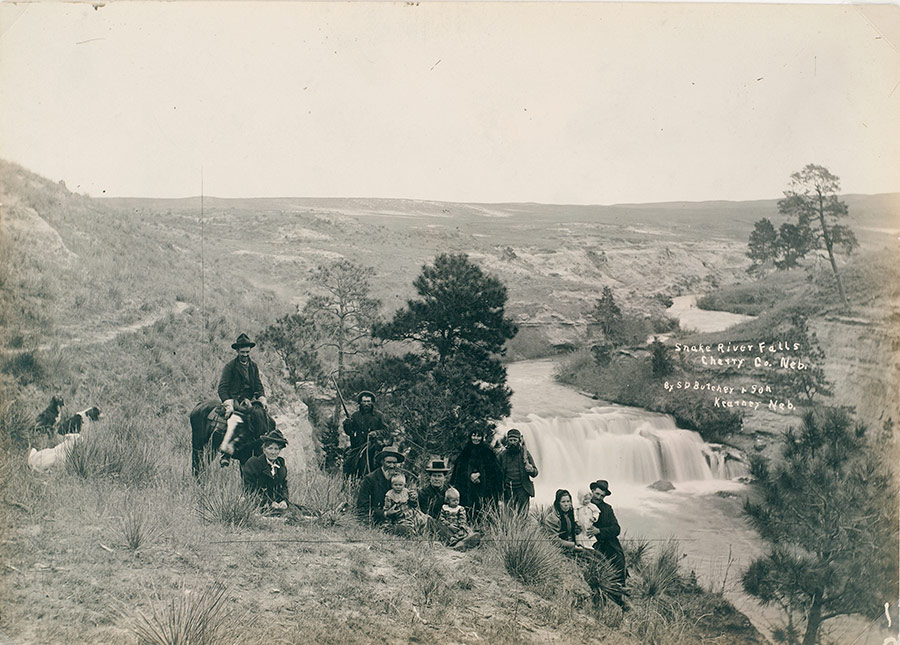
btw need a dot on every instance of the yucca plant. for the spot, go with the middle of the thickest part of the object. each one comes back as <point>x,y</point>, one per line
<point>136,526</point>
<point>660,576</point>
<point>324,496</point>
<point>221,499</point>
<point>524,547</point>
<point>115,449</point>
<point>193,618</point>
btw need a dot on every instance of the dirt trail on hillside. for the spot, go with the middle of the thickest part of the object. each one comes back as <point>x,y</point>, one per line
<point>105,336</point>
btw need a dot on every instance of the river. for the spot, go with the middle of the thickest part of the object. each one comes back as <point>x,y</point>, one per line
<point>576,440</point>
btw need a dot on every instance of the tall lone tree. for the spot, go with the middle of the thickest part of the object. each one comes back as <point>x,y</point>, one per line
<point>342,311</point>
<point>460,310</point>
<point>455,381</point>
<point>334,325</point>
<point>827,512</point>
<point>812,202</point>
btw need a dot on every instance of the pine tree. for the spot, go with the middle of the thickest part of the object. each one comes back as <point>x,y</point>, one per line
<point>827,511</point>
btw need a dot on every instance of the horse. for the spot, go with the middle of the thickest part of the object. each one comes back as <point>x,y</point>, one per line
<point>232,439</point>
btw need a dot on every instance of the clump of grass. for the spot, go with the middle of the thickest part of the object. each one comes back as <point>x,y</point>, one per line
<point>136,527</point>
<point>653,624</point>
<point>429,579</point>
<point>16,425</point>
<point>603,579</point>
<point>194,618</point>
<point>660,576</point>
<point>116,450</point>
<point>24,366</point>
<point>221,499</point>
<point>524,548</point>
<point>325,496</point>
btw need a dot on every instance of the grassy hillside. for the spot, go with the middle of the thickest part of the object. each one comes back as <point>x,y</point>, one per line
<point>106,305</point>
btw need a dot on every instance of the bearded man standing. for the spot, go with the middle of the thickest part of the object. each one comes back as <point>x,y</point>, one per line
<point>516,470</point>
<point>363,427</point>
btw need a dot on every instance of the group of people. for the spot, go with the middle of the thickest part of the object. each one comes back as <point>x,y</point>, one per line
<point>241,391</point>
<point>573,529</point>
<point>479,478</point>
<point>452,501</point>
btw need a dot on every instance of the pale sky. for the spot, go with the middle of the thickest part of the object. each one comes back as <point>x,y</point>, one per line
<point>487,102</point>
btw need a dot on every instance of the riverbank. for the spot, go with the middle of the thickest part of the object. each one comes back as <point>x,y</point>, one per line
<point>704,516</point>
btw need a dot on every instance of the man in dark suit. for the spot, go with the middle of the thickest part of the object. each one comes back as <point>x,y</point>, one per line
<point>606,530</point>
<point>241,389</point>
<point>363,428</point>
<point>372,488</point>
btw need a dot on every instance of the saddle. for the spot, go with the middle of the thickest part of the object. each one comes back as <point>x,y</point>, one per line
<point>217,418</point>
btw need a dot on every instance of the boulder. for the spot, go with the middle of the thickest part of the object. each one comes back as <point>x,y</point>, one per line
<point>662,485</point>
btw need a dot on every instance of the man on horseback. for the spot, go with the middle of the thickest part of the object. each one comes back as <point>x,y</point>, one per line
<point>241,390</point>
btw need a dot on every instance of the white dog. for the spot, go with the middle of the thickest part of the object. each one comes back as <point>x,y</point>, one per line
<point>43,460</point>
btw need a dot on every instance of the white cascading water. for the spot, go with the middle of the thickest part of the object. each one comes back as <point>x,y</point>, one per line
<point>625,446</point>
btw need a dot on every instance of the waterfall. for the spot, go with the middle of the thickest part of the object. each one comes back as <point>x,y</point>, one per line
<point>625,446</point>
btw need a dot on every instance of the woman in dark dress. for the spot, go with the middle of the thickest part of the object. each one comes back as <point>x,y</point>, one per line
<point>266,474</point>
<point>476,475</point>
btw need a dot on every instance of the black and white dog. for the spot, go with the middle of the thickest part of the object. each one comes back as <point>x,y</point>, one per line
<point>79,421</point>
<point>51,414</point>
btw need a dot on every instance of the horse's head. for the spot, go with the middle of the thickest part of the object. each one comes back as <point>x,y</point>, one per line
<point>232,437</point>
<point>239,438</point>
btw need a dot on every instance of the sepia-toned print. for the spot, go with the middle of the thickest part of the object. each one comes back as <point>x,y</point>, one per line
<point>449,322</point>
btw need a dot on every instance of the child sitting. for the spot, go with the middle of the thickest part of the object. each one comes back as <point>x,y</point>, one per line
<point>586,515</point>
<point>453,516</point>
<point>398,505</point>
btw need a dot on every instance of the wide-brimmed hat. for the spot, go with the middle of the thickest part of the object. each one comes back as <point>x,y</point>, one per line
<point>437,466</point>
<point>514,432</point>
<point>242,341</point>
<point>390,451</point>
<point>274,436</point>
<point>364,393</point>
<point>603,485</point>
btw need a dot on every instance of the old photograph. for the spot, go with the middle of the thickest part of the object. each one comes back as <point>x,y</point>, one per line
<point>449,322</point>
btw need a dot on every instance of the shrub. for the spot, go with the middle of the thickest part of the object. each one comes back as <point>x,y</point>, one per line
<point>194,618</point>
<point>524,548</point>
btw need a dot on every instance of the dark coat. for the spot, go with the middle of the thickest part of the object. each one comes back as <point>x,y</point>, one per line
<point>510,462</point>
<point>431,499</point>
<point>476,459</point>
<point>357,427</point>
<point>257,474</point>
<point>608,536</point>
<point>370,500</point>
<point>233,385</point>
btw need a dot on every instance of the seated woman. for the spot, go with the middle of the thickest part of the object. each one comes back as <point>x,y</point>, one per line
<point>561,522</point>
<point>266,474</point>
